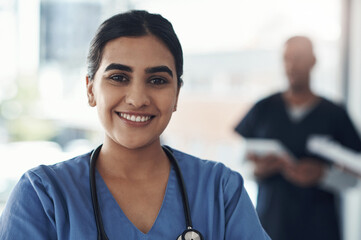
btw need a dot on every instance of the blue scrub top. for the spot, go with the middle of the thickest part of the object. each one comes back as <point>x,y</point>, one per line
<point>54,202</point>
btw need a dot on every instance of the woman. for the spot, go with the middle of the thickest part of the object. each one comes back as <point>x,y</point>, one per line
<point>136,192</point>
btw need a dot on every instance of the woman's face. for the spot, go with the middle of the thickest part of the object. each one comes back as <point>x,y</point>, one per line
<point>135,90</point>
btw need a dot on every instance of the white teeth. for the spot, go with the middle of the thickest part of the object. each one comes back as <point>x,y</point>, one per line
<point>134,118</point>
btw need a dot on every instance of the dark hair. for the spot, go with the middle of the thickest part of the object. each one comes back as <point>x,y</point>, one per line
<point>135,23</point>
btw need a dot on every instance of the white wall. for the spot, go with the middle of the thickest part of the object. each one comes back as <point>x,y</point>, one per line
<point>352,199</point>
<point>354,98</point>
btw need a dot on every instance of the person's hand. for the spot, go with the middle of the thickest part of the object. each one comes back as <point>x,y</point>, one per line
<point>268,165</point>
<point>348,170</point>
<point>306,173</point>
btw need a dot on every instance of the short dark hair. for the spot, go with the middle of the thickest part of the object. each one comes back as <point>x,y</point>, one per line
<point>132,24</point>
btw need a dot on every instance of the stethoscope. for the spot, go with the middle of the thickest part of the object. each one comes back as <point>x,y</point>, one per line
<point>188,234</point>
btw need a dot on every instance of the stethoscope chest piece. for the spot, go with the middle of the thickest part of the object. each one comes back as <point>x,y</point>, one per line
<point>190,234</point>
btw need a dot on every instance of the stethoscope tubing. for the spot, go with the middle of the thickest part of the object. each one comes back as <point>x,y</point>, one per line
<point>182,186</point>
<point>98,217</point>
<point>97,213</point>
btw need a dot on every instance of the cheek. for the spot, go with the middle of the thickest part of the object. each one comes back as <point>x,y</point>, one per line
<point>106,103</point>
<point>168,102</point>
<point>106,97</point>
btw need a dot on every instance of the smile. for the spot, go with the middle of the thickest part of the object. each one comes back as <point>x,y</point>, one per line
<point>135,118</point>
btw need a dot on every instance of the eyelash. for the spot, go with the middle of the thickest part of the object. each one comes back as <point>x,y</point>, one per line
<point>156,81</point>
<point>118,78</point>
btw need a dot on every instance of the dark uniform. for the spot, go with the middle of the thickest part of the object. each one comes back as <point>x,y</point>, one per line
<point>289,212</point>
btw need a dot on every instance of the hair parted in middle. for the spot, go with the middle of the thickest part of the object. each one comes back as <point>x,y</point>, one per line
<point>132,24</point>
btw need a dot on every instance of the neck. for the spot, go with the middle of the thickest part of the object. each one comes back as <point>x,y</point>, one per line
<point>300,96</point>
<point>117,161</point>
<point>299,91</point>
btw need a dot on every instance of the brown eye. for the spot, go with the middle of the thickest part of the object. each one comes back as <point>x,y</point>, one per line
<point>118,78</point>
<point>158,81</point>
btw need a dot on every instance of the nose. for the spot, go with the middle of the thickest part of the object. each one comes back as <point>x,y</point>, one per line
<point>137,96</point>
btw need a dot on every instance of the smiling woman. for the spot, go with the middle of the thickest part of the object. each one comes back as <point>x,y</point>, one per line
<point>135,78</point>
<point>138,189</point>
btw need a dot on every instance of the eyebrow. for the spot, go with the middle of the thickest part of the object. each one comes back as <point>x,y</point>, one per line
<point>118,66</point>
<point>157,69</point>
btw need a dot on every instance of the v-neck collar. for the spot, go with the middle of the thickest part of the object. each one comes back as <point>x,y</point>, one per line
<point>109,205</point>
<point>305,116</point>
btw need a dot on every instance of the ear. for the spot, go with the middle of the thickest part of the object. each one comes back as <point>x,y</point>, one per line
<point>314,61</point>
<point>90,92</point>
<point>176,101</point>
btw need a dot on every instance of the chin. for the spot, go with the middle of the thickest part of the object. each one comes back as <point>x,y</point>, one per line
<point>135,145</point>
<point>295,84</point>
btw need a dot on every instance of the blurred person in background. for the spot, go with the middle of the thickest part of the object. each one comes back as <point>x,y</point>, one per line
<point>292,201</point>
<point>131,187</point>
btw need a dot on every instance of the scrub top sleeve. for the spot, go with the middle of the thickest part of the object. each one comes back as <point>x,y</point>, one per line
<point>246,126</point>
<point>28,213</point>
<point>242,221</point>
<point>346,133</point>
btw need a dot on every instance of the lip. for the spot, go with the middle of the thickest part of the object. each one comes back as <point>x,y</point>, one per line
<point>135,118</point>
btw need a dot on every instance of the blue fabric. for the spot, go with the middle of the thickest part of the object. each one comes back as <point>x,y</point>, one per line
<point>287,211</point>
<point>54,202</point>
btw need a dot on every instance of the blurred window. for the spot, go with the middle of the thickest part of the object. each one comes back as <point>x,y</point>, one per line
<point>232,51</point>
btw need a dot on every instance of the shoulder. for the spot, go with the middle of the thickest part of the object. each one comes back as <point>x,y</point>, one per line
<point>217,191</point>
<point>187,160</point>
<point>271,100</point>
<point>336,111</point>
<point>75,166</point>
<point>55,180</point>
<point>330,105</point>
<point>206,170</point>
<point>213,178</point>
<point>264,105</point>
<point>40,199</point>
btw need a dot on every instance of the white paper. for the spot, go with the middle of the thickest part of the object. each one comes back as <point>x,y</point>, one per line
<point>335,152</point>
<point>261,146</point>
